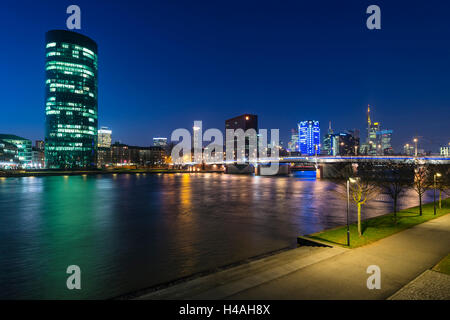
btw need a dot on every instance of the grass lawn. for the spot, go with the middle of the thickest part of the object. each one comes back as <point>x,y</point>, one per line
<point>381,227</point>
<point>443,266</point>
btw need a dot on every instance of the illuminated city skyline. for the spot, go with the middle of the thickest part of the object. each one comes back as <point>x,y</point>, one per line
<point>166,76</point>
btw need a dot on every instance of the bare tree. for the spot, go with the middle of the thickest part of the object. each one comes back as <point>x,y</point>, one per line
<point>421,182</point>
<point>394,180</point>
<point>363,185</point>
<point>361,191</point>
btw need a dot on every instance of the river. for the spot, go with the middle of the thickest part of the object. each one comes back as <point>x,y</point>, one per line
<point>127,232</point>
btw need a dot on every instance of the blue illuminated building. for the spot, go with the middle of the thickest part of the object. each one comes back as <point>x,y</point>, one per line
<point>309,137</point>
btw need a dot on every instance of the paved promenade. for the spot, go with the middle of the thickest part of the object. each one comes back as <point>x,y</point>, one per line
<point>325,273</point>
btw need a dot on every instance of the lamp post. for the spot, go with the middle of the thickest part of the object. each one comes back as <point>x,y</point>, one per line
<point>437,174</point>
<point>348,209</point>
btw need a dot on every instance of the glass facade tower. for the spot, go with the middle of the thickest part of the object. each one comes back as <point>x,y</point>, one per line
<point>309,137</point>
<point>70,100</point>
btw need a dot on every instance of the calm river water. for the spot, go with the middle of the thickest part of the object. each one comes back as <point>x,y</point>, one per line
<point>128,232</point>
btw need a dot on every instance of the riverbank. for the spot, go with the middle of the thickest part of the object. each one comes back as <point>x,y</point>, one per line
<point>321,273</point>
<point>49,173</point>
<point>380,227</point>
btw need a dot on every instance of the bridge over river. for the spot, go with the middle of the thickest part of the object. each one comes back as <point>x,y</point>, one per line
<point>323,165</point>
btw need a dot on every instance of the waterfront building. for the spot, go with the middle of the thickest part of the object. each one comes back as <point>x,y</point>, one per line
<point>38,158</point>
<point>309,137</point>
<point>23,147</point>
<point>122,154</point>
<point>244,122</point>
<point>71,100</point>
<point>104,137</point>
<point>160,142</point>
<point>445,151</point>
<point>40,145</point>
<point>8,154</point>
<point>104,157</point>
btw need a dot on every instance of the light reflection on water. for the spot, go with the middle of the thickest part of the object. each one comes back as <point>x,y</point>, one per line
<point>128,232</point>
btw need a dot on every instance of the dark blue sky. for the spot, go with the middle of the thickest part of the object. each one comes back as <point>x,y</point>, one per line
<point>164,64</point>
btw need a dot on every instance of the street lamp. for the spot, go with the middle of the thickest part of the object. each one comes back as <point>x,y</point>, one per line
<point>348,208</point>
<point>437,174</point>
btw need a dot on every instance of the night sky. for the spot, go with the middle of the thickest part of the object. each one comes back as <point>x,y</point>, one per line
<point>164,64</point>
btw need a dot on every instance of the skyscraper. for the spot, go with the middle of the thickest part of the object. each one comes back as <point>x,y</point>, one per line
<point>71,100</point>
<point>327,147</point>
<point>309,137</point>
<point>384,141</point>
<point>378,141</point>
<point>293,143</point>
<point>244,122</point>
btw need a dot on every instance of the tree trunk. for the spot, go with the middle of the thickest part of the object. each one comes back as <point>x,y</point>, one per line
<point>359,219</point>
<point>420,204</point>
<point>395,209</point>
<point>440,199</point>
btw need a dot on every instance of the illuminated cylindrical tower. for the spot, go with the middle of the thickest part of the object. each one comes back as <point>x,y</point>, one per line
<point>70,100</point>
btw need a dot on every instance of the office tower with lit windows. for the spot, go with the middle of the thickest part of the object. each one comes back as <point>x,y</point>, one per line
<point>104,137</point>
<point>385,142</point>
<point>23,146</point>
<point>244,122</point>
<point>71,100</point>
<point>309,137</point>
<point>327,147</point>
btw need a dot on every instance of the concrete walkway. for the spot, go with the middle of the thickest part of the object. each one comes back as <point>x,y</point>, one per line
<point>325,273</point>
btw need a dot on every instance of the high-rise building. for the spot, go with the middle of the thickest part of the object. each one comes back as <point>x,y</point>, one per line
<point>104,137</point>
<point>309,137</point>
<point>244,122</point>
<point>23,147</point>
<point>408,149</point>
<point>71,100</point>
<point>293,143</point>
<point>327,147</point>
<point>445,151</point>
<point>384,141</point>
<point>345,143</point>
<point>378,141</point>
<point>160,142</point>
